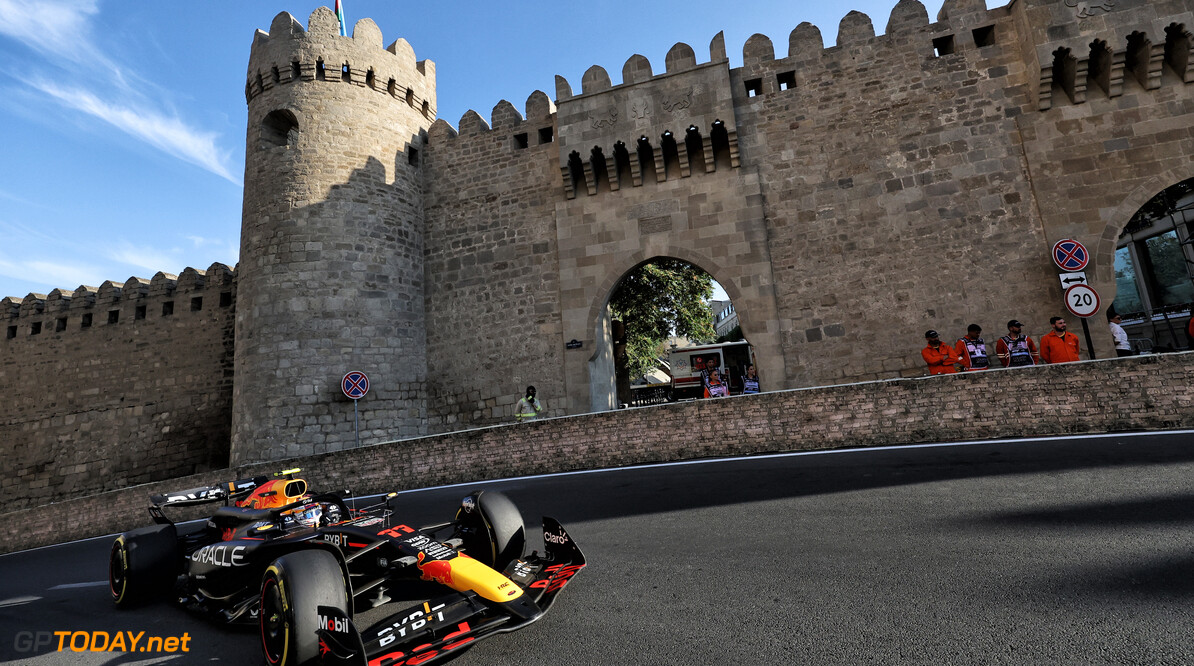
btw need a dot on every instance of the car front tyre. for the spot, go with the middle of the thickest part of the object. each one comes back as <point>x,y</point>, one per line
<point>292,589</point>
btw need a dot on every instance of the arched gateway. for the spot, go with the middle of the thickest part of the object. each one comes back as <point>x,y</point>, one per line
<point>601,366</point>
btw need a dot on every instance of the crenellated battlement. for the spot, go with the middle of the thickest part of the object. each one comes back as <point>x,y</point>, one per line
<point>133,300</point>
<point>289,54</point>
<point>535,128</point>
<point>1079,68</point>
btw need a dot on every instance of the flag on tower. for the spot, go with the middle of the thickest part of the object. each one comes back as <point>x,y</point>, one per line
<point>340,18</point>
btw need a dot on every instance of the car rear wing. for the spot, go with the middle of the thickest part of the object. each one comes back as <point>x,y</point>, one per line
<point>233,490</point>
<point>208,494</point>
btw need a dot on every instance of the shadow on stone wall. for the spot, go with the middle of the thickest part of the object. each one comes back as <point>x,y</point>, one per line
<point>1129,394</point>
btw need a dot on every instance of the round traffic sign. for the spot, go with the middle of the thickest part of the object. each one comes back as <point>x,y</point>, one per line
<point>1082,300</point>
<point>1070,255</point>
<point>355,384</point>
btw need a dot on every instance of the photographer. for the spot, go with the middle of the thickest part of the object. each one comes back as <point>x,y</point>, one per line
<point>529,406</point>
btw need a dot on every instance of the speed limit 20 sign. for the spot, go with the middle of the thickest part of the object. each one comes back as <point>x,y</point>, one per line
<point>1082,300</point>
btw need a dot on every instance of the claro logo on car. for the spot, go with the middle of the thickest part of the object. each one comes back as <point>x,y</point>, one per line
<point>220,556</point>
<point>560,538</point>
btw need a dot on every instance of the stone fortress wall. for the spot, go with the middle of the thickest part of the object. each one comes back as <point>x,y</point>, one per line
<point>115,386</point>
<point>847,197</point>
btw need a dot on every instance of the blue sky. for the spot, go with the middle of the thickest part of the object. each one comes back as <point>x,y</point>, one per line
<point>124,122</point>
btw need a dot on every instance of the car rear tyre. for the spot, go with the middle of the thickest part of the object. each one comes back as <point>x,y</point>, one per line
<point>493,530</point>
<point>293,588</point>
<point>143,564</point>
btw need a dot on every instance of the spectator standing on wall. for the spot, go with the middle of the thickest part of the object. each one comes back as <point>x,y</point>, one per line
<point>750,382</point>
<point>529,407</point>
<point>1057,346</point>
<point>940,358</point>
<point>1016,349</point>
<point>972,349</point>
<point>1122,346</point>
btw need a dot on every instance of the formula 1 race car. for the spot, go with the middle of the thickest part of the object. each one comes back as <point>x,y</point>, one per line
<point>303,565</point>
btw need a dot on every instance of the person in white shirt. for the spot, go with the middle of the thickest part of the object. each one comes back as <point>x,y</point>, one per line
<point>1122,346</point>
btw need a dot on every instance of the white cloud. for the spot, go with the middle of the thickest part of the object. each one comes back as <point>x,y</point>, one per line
<point>147,258</point>
<point>60,29</point>
<point>67,276</point>
<point>167,134</point>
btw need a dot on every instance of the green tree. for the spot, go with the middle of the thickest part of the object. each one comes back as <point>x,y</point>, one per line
<point>659,299</point>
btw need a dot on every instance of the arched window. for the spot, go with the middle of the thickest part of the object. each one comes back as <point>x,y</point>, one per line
<point>1136,58</point>
<point>576,171</point>
<point>1177,49</point>
<point>696,149</point>
<point>646,160</point>
<point>279,128</point>
<point>1098,69</point>
<point>671,156</point>
<point>600,170</point>
<point>621,164</point>
<point>1154,283</point>
<point>1065,68</point>
<point>720,138</point>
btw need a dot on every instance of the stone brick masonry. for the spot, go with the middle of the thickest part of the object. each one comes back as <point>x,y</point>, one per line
<point>119,386</point>
<point>846,196</point>
<point>1139,393</point>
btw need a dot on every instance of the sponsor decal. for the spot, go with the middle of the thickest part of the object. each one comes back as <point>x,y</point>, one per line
<point>220,556</point>
<point>561,538</point>
<point>560,575</point>
<point>428,616</point>
<point>425,653</point>
<point>469,504</point>
<point>367,522</point>
<point>398,531</point>
<point>210,493</point>
<point>522,570</point>
<point>336,625</point>
<point>431,547</point>
<point>439,571</point>
<point>338,540</point>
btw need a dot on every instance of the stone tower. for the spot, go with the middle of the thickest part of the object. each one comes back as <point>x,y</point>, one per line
<point>332,240</point>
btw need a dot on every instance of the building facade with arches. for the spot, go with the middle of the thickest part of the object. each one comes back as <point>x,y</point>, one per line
<point>846,196</point>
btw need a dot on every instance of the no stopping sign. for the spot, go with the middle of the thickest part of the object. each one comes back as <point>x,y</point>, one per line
<point>1082,300</point>
<point>355,384</point>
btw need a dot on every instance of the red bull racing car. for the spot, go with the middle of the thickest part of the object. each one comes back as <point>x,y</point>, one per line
<point>302,566</point>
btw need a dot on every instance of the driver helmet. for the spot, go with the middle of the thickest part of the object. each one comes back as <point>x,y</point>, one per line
<point>308,515</point>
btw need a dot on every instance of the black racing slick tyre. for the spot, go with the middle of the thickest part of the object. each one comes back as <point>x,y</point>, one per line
<point>293,588</point>
<point>492,529</point>
<point>143,564</point>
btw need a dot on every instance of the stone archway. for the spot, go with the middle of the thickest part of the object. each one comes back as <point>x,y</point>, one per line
<point>1117,218</point>
<point>600,362</point>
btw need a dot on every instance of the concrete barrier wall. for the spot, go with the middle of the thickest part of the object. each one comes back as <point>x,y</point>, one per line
<point>1130,394</point>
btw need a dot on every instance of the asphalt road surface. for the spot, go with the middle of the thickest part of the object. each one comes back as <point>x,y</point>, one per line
<point>1065,551</point>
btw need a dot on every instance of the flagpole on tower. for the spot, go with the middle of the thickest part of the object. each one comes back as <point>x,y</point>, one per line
<point>340,18</point>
